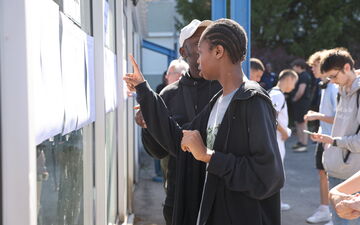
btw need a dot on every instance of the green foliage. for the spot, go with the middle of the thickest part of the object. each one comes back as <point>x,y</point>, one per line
<point>299,26</point>
<point>195,9</point>
<point>304,26</point>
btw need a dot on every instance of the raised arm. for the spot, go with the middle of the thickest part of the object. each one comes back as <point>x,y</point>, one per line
<point>163,129</point>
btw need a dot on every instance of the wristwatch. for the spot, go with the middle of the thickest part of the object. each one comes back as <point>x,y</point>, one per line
<point>334,143</point>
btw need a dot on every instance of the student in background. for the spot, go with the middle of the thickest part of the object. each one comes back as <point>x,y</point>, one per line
<point>326,114</point>
<point>268,79</point>
<point>286,83</point>
<point>256,69</point>
<point>301,103</point>
<point>341,157</point>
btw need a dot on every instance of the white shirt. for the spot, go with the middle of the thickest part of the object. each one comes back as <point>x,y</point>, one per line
<point>215,120</point>
<point>279,103</point>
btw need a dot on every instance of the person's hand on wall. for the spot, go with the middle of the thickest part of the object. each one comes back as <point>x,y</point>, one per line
<point>135,78</point>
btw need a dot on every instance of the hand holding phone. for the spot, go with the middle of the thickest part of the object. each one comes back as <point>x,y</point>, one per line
<point>308,132</point>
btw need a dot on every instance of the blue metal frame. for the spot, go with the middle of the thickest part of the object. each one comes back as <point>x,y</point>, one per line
<point>218,9</point>
<point>171,54</point>
<point>240,12</point>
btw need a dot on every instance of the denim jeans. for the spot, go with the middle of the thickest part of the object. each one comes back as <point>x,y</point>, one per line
<point>335,218</point>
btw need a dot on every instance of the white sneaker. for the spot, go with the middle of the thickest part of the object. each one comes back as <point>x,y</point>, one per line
<point>285,206</point>
<point>322,214</point>
<point>329,223</point>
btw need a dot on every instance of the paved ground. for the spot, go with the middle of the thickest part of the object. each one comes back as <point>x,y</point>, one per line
<point>300,191</point>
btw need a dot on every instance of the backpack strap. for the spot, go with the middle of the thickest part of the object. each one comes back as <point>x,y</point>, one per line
<point>278,89</point>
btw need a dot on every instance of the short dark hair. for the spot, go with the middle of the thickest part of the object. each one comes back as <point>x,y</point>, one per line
<point>256,64</point>
<point>287,73</point>
<point>230,35</point>
<point>299,62</point>
<point>336,59</point>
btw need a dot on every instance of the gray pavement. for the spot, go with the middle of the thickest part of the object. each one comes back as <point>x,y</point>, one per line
<point>301,189</point>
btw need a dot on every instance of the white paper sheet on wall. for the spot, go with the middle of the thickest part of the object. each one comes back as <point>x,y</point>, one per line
<point>38,84</point>
<point>106,23</point>
<point>110,80</point>
<point>49,110</point>
<point>73,74</point>
<point>90,81</point>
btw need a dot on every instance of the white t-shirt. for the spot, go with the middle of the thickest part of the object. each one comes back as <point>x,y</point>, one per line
<point>215,119</point>
<point>279,103</point>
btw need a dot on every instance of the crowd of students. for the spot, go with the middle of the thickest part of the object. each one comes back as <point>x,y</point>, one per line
<point>209,122</point>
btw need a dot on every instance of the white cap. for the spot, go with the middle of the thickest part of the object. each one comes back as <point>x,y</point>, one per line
<point>191,28</point>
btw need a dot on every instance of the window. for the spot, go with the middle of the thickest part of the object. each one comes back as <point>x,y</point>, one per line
<point>60,159</point>
<point>60,179</point>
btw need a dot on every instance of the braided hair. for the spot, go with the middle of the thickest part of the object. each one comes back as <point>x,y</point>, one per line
<point>230,35</point>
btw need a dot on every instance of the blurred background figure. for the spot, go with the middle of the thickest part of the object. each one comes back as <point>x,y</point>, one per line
<point>286,83</point>
<point>268,80</point>
<point>301,100</point>
<point>256,69</point>
<point>177,68</point>
<point>325,115</point>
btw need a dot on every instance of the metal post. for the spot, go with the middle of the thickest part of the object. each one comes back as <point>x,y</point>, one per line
<point>100,153</point>
<point>218,9</point>
<point>241,13</point>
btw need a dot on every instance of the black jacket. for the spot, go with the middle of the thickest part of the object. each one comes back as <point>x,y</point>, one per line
<point>245,173</point>
<point>184,99</point>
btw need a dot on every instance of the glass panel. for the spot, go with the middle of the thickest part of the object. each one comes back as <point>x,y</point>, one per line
<point>60,179</point>
<point>85,14</point>
<point>111,152</point>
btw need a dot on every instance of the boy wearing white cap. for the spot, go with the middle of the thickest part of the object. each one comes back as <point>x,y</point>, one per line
<point>184,99</point>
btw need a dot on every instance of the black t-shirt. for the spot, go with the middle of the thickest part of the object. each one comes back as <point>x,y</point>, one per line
<point>304,78</point>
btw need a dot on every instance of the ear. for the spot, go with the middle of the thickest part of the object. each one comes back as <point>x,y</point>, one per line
<point>347,67</point>
<point>182,52</point>
<point>219,51</point>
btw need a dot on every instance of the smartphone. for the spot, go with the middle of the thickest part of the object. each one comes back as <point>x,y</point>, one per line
<point>308,132</point>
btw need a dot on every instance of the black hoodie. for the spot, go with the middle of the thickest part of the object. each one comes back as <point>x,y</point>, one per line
<point>245,173</point>
<point>184,99</point>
